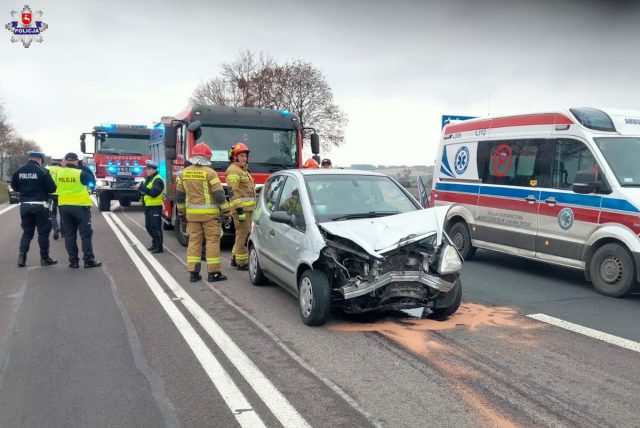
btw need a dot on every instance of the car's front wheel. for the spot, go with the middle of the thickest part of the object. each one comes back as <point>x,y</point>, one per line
<point>314,295</point>
<point>453,298</point>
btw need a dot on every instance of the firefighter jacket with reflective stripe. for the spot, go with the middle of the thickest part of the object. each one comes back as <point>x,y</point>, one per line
<point>152,189</point>
<point>71,190</point>
<point>53,170</point>
<point>200,194</point>
<point>242,191</point>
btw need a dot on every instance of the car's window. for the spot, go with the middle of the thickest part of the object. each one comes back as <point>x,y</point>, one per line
<point>272,190</point>
<point>291,203</point>
<point>571,156</point>
<point>336,196</point>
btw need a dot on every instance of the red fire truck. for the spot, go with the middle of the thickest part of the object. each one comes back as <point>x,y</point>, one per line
<point>120,153</point>
<point>274,137</point>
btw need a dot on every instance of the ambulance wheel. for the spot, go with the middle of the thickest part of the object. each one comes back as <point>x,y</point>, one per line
<point>459,234</point>
<point>104,202</point>
<point>612,272</point>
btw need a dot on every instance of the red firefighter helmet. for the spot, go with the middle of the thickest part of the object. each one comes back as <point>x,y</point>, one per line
<point>236,149</point>
<point>310,163</point>
<point>201,149</point>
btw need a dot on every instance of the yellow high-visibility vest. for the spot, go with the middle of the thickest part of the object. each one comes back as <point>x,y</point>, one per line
<point>153,201</point>
<point>53,170</point>
<point>70,190</point>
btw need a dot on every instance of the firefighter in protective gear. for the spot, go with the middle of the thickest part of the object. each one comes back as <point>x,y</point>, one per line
<point>152,189</point>
<point>200,197</point>
<point>310,163</point>
<point>242,197</point>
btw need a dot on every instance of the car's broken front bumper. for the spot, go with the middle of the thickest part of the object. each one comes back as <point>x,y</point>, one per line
<point>361,287</point>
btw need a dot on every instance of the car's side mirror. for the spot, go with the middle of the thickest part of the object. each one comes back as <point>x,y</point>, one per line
<point>281,217</point>
<point>586,181</point>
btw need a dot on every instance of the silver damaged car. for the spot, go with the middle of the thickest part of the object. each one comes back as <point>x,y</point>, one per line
<point>352,240</point>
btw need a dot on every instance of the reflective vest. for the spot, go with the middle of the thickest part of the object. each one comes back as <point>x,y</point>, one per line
<point>70,190</point>
<point>151,201</point>
<point>53,170</point>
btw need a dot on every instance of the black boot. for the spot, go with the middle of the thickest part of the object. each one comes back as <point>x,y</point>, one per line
<point>243,267</point>
<point>194,277</point>
<point>233,261</point>
<point>91,264</point>
<point>47,261</point>
<point>152,247</point>
<point>22,259</point>
<point>216,276</point>
<point>157,250</point>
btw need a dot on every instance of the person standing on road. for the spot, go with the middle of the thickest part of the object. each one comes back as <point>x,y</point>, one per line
<point>152,189</point>
<point>200,198</point>
<point>54,167</point>
<point>35,185</point>
<point>310,163</point>
<point>242,197</point>
<point>75,210</point>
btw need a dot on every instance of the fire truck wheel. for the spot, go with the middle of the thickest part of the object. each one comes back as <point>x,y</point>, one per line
<point>459,234</point>
<point>104,202</point>
<point>125,202</point>
<point>181,232</point>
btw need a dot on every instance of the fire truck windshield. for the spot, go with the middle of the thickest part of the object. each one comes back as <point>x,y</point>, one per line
<point>271,149</point>
<point>124,145</point>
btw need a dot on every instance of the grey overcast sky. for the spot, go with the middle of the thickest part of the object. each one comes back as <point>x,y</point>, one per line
<point>394,66</point>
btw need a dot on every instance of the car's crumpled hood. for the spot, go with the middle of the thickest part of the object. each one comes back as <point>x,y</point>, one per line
<point>379,235</point>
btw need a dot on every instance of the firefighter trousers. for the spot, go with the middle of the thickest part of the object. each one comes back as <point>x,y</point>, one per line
<point>242,234</point>
<point>210,231</point>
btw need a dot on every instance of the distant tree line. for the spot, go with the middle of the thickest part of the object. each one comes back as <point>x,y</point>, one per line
<point>13,147</point>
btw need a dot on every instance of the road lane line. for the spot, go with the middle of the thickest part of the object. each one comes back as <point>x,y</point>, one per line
<point>270,395</point>
<point>586,331</point>
<point>10,207</point>
<point>233,397</point>
<point>324,379</point>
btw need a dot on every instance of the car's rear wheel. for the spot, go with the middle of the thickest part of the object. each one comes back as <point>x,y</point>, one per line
<point>314,296</point>
<point>459,234</point>
<point>444,312</point>
<point>612,271</point>
<point>255,272</point>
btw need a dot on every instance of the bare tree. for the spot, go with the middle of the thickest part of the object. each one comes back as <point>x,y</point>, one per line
<point>258,81</point>
<point>5,138</point>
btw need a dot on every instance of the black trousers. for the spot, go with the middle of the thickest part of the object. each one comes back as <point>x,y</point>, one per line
<point>54,213</point>
<point>153,224</point>
<point>34,216</point>
<point>77,219</point>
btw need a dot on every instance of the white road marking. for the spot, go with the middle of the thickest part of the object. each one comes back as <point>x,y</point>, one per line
<point>8,208</point>
<point>272,397</point>
<point>596,334</point>
<point>233,397</point>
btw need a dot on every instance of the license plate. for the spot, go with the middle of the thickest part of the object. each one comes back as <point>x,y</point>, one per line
<point>124,172</point>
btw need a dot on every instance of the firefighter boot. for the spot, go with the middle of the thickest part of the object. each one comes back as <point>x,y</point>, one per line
<point>194,276</point>
<point>216,276</point>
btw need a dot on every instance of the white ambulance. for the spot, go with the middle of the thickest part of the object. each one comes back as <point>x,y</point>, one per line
<point>561,187</point>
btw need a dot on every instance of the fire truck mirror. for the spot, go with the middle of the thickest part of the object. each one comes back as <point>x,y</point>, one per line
<point>315,143</point>
<point>195,128</point>
<point>83,145</point>
<point>170,136</point>
<point>170,153</point>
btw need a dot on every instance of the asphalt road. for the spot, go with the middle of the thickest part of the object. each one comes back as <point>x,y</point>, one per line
<point>133,343</point>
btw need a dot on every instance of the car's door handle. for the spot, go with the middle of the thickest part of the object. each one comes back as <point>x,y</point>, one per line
<point>272,232</point>
<point>551,201</point>
<point>530,198</point>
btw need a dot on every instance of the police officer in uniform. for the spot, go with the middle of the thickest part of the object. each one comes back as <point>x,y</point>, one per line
<point>34,184</point>
<point>152,189</point>
<point>200,198</point>
<point>242,197</point>
<point>75,210</point>
<point>54,167</point>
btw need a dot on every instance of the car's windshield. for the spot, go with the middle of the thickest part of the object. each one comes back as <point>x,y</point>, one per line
<point>124,145</point>
<point>342,197</point>
<point>622,156</point>
<point>271,149</point>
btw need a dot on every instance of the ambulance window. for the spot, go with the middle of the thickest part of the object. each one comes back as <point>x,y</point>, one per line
<point>512,163</point>
<point>571,156</point>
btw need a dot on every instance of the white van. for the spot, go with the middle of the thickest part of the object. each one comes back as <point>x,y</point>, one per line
<point>560,187</point>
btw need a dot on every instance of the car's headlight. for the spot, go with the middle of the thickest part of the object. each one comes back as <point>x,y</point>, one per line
<point>101,183</point>
<point>450,261</point>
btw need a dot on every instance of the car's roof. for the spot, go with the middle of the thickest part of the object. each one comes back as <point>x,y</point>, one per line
<point>337,171</point>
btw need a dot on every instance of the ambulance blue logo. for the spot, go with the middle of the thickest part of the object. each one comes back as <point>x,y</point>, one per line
<point>461,161</point>
<point>565,218</point>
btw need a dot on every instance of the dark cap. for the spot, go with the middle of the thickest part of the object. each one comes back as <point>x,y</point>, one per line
<point>326,161</point>
<point>71,157</point>
<point>35,154</point>
<point>151,164</point>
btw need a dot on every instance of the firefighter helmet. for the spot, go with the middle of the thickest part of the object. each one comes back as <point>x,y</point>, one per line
<point>236,149</point>
<point>310,163</point>
<point>202,149</point>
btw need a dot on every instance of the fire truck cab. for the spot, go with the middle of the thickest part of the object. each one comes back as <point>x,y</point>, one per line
<point>275,138</point>
<point>119,155</point>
